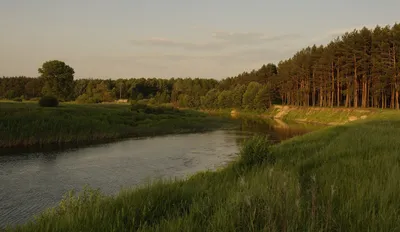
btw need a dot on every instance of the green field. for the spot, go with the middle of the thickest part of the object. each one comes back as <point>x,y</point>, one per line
<point>28,125</point>
<point>341,178</point>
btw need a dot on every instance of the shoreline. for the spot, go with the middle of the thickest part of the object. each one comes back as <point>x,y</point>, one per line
<point>313,115</point>
<point>268,179</point>
<point>126,130</point>
<point>26,126</point>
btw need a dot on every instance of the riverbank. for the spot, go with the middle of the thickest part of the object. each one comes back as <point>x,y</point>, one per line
<point>342,178</point>
<point>312,115</point>
<point>28,125</point>
<point>328,116</point>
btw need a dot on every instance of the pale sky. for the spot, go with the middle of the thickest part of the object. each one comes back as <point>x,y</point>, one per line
<point>173,38</point>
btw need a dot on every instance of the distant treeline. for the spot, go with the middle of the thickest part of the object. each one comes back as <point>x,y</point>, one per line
<point>182,92</point>
<point>359,69</point>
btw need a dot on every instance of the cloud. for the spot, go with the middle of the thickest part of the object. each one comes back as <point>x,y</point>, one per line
<point>163,42</point>
<point>221,40</point>
<point>156,64</point>
<point>338,32</point>
<point>242,55</point>
<point>251,37</point>
<point>240,38</point>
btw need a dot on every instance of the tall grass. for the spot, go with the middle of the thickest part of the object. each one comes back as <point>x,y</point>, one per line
<point>27,124</point>
<point>344,178</point>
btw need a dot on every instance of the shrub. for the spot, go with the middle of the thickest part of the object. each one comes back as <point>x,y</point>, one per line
<point>48,101</point>
<point>35,99</point>
<point>135,106</point>
<point>85,99</point>
<point>17,99</point>
<point>256,151</point>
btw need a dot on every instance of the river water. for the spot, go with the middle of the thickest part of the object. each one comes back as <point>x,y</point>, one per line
<point>31,182</point>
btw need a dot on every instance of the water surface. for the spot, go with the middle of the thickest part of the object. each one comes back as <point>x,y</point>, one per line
<point>32,182</point>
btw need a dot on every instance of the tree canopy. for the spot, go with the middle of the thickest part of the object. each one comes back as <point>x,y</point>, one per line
<point>358,69</point>
<point>58,79</point>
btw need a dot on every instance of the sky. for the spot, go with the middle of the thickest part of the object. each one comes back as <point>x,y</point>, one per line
<point>173,38</point>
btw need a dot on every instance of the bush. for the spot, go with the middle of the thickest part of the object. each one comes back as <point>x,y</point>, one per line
<point>137,107</point>
<point>17,99</point>
<point>85,99</point>
<point>255,151</point>
<point>35,99</point>
<point>48,101</point>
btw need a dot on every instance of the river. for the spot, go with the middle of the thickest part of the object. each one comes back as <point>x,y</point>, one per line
<point>31,182</point>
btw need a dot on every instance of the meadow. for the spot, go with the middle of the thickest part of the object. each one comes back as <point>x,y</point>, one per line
<point>29,125</point>
<point>341,178</point>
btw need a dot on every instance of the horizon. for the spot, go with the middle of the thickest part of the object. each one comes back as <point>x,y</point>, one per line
<point>193,39</point>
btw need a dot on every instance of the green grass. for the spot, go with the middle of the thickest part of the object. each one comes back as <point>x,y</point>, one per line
<point>27,124</point>
<point>342,178</point>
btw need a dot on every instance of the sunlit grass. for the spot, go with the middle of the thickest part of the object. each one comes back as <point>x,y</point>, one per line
<point>342,178</point>
<point>27,124</point>
<point>328,115</point>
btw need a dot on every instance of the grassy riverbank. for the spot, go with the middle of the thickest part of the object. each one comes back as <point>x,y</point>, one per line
<point>27,124</point>
<point>315,115</point>
<point>329,116</point>
<point>342,178</point>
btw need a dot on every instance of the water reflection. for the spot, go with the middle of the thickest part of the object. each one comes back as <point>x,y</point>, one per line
<point>31,182</point>
<point>276,129</point>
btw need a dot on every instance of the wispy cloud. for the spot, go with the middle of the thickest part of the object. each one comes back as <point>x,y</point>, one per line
<point>251,37</point>
<point>338,32</point>
<point>220,41</point>
<point>163,42</point>
<point>241,55</point>
<point>180,64</point>
<point>238,37</point>
<point>212,57</point>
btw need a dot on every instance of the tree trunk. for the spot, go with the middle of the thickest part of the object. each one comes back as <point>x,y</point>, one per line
<point>373,100</point>
<point>367,87</point>
<point>321,95</point>
<point>313,96</point>
<point>302,91</point>
<point>347,104</point>
<point>386,101</point>
<point>338,86</point>
<point>355,84</point>
<point>314,90</point>
<point>308,92</point>
<point>363,98</point>
<point>395,78</point>
<point>333,85</point>
<point>392,98</point>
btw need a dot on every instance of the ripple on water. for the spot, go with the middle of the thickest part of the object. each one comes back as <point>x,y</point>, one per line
<point>30,183</point>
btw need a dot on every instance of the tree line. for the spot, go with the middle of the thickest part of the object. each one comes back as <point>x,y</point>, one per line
<point>248,90</point>
<point>358,69</point>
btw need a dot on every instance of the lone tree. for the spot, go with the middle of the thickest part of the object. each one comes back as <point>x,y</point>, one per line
<point>58,79</point>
